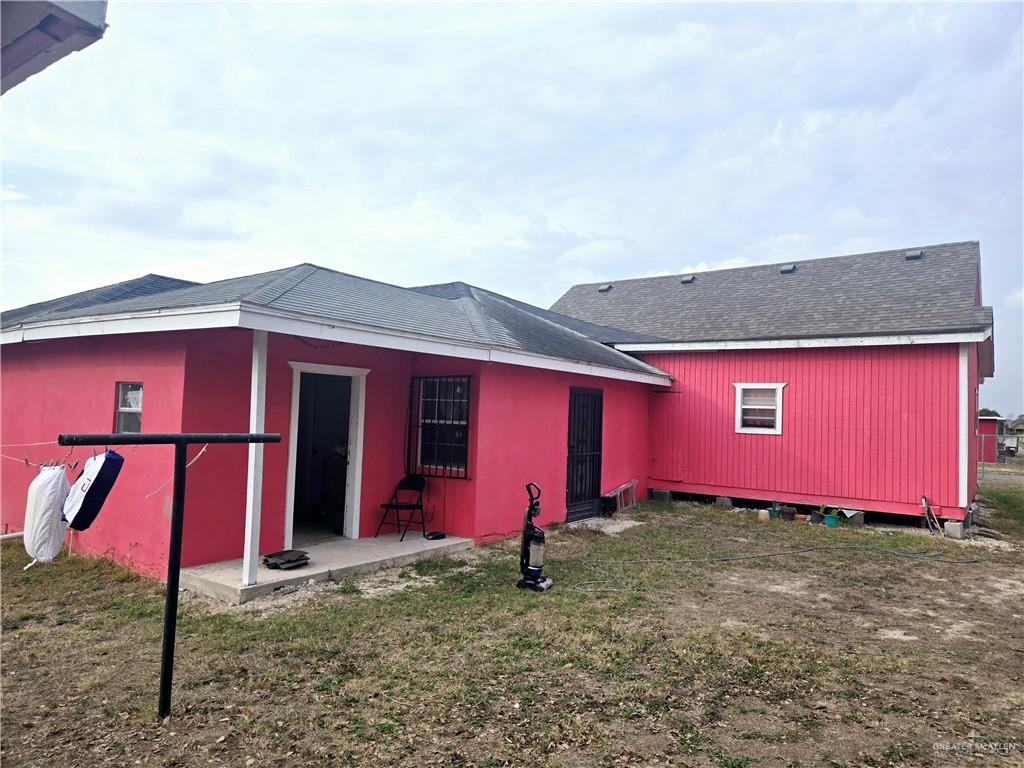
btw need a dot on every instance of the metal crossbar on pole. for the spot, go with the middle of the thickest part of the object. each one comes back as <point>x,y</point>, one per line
<point>180,441</point>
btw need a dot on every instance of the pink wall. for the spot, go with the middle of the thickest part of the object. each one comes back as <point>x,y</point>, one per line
<point>387,394</point>
<point>450,501</point>
<point>870,428</point>
<point>987,447</point>
<point>68,385</point>
<point>518,433</point>
<point>199,381</point>
<point>525,417</point>
<point>217,379</point>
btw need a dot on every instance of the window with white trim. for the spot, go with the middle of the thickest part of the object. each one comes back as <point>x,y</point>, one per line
<point>128,413</point>
<point>759,408</point>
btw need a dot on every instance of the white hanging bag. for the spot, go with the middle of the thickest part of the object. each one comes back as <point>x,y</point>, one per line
<point>44,527</point>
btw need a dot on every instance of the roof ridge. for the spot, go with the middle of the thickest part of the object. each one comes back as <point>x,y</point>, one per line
<point>360,277</point>
<point>633,360</point>
<point>293,277</point>
<point>474,316</point>
<point>518,304</point>
<point>438,285</point>
<point>676,275</point>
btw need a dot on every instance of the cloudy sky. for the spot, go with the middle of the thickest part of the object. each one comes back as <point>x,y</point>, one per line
<point>520,148</point>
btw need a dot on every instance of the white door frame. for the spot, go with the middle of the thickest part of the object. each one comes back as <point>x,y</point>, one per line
<point>354,474</point>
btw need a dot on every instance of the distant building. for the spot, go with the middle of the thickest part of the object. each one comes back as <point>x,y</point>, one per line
<point>988,438</point>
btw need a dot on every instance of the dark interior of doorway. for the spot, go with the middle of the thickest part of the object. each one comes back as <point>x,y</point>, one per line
<point>321,454</point>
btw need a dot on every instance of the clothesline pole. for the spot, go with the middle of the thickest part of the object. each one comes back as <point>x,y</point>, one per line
<point>173,575</point>
<point>180,442</point>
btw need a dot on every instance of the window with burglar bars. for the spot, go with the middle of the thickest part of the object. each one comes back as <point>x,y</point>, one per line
<point>438,444</point>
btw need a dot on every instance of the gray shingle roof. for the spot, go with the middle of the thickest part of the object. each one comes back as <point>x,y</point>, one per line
<point>470,316</point>
<point>139,286</point>
<point>601,333</point>
<point>867,294</point>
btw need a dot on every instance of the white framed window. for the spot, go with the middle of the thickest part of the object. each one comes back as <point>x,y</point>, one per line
<point>759,408</point>
<point>128,413</point>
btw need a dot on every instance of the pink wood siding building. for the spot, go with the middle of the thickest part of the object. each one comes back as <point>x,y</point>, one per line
<point>871,428</point>
<point>862,375</point>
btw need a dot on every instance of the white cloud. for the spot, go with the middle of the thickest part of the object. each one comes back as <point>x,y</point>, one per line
<point>520,147</point>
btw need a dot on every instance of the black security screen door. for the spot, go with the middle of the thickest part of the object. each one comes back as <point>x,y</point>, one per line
<point>583,478</point>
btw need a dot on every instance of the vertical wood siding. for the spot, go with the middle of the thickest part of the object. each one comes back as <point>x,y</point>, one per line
<point>876,425</point>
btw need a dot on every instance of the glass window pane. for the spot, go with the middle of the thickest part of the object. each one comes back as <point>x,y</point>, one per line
<point>759,398</point>
<point>129,395</point>
<point>428,408</point>
<point>762,418</point>
<point>129,422</point>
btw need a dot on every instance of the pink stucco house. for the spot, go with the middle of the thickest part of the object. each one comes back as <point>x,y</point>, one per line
<point>846,381</point>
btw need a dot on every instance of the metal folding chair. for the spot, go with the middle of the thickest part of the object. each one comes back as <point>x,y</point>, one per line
<point>407,498</point>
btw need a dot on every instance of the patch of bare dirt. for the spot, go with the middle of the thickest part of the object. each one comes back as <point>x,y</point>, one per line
<point>609,525</point>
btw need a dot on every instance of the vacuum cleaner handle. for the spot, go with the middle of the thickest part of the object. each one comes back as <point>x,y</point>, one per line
<point>530,488</point>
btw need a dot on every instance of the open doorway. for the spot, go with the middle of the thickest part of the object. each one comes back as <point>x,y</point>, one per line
<point>321,455</point>
<point>311,502</point>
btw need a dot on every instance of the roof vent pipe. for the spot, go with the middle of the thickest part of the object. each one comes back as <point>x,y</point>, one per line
<point>687,279</point>
<point>913,255</point>
<point>605,288</point>
<point>787,269</point>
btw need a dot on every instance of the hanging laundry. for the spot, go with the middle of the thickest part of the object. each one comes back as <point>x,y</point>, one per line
<point>91,488</point>
<point>44,528</point>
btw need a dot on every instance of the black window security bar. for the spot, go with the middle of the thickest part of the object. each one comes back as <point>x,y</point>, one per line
<point>438,441</point>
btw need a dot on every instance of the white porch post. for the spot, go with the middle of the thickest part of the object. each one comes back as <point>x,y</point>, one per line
<point>254,484</point>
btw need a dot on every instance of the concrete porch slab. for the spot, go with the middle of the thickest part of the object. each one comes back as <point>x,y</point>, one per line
<point>328,560</point>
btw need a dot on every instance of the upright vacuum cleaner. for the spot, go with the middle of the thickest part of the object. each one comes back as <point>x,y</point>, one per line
<point>531,552</point>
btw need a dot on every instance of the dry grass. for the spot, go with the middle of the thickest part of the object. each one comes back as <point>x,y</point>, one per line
<point>834,658</point>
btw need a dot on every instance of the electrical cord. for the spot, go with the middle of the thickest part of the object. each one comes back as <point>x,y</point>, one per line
<point>593,584</point>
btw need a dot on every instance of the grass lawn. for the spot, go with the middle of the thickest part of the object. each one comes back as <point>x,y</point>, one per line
<point>1005,497</point>
<point>830,658</point>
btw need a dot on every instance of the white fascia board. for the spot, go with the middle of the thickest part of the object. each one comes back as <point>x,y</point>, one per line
<point>587,369</point>
<point>187,319</point>
<point>297,325</point>
<point>234,315</point>
<point>276,321</point>
<point>838,341</point>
